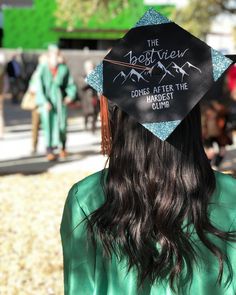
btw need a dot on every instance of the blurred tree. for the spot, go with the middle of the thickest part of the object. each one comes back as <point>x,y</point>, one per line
<point>197,16</point>
<point>234,32</point>
<point>70,12</point>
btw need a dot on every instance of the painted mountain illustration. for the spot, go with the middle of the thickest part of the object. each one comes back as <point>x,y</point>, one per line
<point>121,76</point>
<point>133,75</point>
<point>189,65</point>
<point>182,70</point>
<point>171,70</point>
<point>164,69</point>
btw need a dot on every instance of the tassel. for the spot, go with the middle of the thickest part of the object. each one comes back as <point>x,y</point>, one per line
<point>105,126</point>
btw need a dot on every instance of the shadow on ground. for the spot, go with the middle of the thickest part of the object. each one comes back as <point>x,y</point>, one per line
<point>15,115</point>
<point>39,164</point>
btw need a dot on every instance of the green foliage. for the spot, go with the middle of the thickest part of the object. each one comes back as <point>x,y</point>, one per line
<point>36,27</point>
<point>69,12</point>
<point>29,28</point>
<point>197,16</point>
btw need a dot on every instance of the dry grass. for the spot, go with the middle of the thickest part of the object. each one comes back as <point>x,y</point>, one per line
<point>30,246</point>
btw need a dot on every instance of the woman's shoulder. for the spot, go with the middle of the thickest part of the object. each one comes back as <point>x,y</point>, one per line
<point>223,204</point>
<point>226,185</point>
<point>88,192</point>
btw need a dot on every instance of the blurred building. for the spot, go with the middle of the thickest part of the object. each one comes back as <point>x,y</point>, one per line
<point>221,36</point>
<point>34,26</point>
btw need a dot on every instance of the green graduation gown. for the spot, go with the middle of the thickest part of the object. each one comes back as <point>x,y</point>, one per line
<point>54,90</point>
<point>87,272</point>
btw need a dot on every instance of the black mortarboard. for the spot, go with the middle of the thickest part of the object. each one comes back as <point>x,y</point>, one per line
<point>157,73</point>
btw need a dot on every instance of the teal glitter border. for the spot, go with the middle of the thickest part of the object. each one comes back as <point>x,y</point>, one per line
<point>152,17</point>
<point>95,78</point>
<point>162,129</point>
<point>220,63</point>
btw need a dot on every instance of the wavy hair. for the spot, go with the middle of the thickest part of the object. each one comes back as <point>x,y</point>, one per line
<point>156,193</point>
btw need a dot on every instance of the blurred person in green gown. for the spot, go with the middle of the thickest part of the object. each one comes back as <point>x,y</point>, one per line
<point>57,90</point>
<point>29,101</point>
<point>2,66</point>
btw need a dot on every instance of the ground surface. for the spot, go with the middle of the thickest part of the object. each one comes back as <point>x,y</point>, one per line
<point>30,255</point>
<point>32,196</point>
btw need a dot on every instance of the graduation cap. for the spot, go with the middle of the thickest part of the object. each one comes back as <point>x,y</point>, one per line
<point>157,73</point>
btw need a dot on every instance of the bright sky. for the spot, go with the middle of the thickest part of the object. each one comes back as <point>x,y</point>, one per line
<point>156,2</point>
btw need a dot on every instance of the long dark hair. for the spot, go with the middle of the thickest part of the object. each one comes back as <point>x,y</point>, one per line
<point>157,193</point>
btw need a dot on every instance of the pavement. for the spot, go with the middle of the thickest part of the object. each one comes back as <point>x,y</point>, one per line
<point>83,147</point>
<point>16,146</point>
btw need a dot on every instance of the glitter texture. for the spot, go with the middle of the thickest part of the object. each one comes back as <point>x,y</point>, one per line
<point>163,129</point>
<point>219,63</point>
<point>95,78</point>
<point>152,17</point>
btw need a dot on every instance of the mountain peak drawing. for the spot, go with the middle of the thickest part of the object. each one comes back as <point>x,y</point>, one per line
<point>120,75</point>
<point>171,70</point>
<point>191,66</point>
<point>133,75</point>
<point>166,71</point>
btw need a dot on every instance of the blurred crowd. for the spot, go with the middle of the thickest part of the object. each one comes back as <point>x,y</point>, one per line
<point>219,121</point>
<point>47,89</point>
